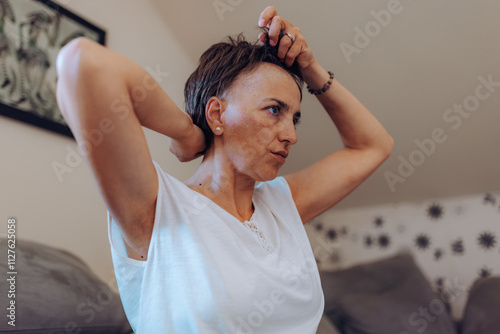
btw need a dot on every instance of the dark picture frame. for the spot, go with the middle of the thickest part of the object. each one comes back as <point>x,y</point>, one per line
<point>31,34</point>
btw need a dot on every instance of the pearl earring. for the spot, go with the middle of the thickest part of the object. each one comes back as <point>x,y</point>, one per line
<point>217,129</point>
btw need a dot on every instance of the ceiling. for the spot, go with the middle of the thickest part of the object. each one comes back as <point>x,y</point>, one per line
<point>411,71</point>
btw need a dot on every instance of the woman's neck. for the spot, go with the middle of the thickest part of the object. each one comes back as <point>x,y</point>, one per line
<point>217,179</point>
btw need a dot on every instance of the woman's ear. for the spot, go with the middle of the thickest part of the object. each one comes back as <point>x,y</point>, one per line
<point>213,113</point>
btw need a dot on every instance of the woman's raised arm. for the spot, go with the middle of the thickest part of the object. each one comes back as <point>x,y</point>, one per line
<point>320,186</point>
<point>105,99</point>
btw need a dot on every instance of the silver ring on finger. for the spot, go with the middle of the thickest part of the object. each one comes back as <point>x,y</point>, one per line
<point>291,37</point>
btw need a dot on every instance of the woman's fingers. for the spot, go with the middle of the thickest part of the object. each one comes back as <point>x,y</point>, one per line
<point>285,44</point>
<point>277,25</point>
<point>263,37</point>
<point>291,47</point>
<point>267,14</point>
<point>295,49</point>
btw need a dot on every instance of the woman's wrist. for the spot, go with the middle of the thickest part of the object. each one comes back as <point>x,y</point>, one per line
<point>324,88</point>
<point>184,127</point>
<point>315,76</point>
<point>176,124</point>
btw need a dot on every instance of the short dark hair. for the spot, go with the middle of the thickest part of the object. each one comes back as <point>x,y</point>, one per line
<point>219,67</point>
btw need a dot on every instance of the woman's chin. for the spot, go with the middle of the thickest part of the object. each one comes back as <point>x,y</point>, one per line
<point>268,175</point>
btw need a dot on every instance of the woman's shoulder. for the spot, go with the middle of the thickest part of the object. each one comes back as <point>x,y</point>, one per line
<point>277,197</point>
<point>169,183</point>
<point>276,186</point>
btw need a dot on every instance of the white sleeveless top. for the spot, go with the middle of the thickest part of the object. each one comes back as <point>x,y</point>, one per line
<point>207,272</point>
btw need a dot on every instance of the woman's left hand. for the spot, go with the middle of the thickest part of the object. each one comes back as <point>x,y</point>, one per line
<point>288,50</point>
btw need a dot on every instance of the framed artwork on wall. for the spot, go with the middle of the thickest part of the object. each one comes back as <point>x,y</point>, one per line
<point>31,34</point>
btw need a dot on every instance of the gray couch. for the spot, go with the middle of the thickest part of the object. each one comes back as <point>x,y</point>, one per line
<point>392,296</point>
<point>55,292</point>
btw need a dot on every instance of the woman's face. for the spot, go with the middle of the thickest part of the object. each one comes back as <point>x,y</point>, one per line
<point>261,110</point>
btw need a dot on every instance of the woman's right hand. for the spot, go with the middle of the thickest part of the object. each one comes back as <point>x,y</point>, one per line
<point>191,145</point>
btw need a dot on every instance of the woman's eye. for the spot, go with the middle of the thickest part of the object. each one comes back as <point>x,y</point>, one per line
<point>274,110</point>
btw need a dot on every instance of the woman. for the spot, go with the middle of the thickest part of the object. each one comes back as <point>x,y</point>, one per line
<point>216,253</point>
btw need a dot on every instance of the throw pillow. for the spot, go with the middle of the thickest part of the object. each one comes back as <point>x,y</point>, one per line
<point>482,311</point>
<point>386,296</point>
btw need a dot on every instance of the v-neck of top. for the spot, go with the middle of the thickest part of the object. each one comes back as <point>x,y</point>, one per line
<point>249,225</point>
<point>218,207</point>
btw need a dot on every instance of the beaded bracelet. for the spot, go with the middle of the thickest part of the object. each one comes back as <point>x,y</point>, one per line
<point>325,87</point>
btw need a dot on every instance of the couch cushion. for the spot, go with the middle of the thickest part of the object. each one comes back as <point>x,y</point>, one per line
<point>482,311</point>
<point>55,292</point>
<point>326,326</point>
<point>386,296</point>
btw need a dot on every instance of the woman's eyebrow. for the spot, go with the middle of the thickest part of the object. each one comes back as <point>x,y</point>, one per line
<point>282,104</point>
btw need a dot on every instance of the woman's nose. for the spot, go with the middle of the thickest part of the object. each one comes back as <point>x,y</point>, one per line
<point>288,133</point>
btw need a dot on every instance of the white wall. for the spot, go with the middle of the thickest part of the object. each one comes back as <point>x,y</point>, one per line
<point>71,214</point>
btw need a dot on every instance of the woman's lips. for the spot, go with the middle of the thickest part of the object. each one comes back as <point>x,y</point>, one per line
<point>279,156</point>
